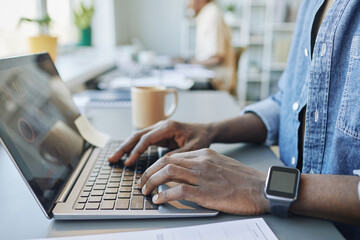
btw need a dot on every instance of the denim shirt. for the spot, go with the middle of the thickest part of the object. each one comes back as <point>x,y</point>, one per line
<point>327,81</point>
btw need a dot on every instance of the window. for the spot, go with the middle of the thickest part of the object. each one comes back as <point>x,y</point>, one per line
<point>13,37</point>
<point>61,12</point>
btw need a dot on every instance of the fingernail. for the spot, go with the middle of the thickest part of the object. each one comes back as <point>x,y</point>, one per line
<point>143,189</point>
<point>139,182</point>
<point>155,198</point>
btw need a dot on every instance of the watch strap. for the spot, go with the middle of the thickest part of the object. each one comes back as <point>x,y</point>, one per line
<point>279,208</point>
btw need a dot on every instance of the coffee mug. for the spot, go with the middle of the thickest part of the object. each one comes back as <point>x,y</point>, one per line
<point>148,105</point>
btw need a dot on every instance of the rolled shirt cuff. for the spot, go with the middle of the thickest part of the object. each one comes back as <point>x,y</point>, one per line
<point>357,173</point>
<point>269,112</point>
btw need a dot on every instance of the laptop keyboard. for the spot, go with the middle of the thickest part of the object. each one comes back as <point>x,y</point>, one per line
<point>114,186</point>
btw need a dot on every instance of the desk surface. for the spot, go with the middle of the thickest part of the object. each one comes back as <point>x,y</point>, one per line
<point>83,65</point>
<point>21,218</point>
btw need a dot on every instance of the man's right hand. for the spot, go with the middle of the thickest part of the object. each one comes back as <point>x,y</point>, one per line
<point>178,137</point>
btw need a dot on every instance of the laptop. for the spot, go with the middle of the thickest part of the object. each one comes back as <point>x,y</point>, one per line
<point>69,178</point>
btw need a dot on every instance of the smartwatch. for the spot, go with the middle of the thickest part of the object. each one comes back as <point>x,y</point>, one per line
<point>281,189</point>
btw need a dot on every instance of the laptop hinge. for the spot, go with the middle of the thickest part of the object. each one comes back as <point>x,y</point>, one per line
<point>75,175</point>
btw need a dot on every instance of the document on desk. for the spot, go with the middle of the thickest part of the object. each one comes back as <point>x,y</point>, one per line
<point>252,229</point>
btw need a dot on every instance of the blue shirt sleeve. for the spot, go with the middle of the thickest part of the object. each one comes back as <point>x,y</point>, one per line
<point>269,112</point>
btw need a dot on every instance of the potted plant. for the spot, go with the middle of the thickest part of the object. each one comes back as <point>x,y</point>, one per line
<point>82,17</point>
<point>43,42</point>
<point>229,15</point>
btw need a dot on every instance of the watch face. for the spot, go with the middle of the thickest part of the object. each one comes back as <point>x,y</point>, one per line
<point>283,182</point>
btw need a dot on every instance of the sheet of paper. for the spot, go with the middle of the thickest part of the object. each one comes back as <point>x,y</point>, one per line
<point>254,229</point>
<point>89,133</point>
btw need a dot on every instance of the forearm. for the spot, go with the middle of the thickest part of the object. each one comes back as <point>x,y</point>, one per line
<point>246,128</point>
<point>331,197</point>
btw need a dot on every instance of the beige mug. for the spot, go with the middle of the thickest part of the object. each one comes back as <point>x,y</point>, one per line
<point>148,105</point>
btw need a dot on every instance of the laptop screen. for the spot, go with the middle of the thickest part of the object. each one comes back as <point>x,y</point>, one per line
<point>37,124</point>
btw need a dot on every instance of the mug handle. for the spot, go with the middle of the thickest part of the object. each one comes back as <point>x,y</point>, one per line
<point>174,104</point>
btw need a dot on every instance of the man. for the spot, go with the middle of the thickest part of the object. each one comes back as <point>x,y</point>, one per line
<point>213,44</point>
<point>314,118</point>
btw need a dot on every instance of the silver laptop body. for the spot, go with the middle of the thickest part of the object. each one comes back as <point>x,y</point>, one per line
<point>37,130</point>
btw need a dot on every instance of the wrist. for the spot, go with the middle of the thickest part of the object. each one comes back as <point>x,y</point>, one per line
<point>264,203</point>
<point>212,130</point>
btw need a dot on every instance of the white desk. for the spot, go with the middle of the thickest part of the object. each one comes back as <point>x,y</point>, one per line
<point>20,217</point>
<point>83,65</point>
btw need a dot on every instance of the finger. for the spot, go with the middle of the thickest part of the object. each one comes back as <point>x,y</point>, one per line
<point>170,173</point>
<point>127,146</point>
<point>185,148</point>
<point>187,153</point>
<point>152,137</point>
<point>179,192</point>
<point>161,163</point>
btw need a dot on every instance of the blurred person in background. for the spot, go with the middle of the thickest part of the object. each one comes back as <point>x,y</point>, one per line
<point>213,48</point>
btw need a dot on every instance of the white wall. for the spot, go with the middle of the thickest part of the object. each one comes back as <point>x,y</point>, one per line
<point>156,23</point>
<point>103,24</point>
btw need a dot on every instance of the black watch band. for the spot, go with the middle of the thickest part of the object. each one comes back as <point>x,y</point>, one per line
<point>279,208</point>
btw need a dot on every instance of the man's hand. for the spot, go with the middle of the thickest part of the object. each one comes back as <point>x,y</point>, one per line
<point>210,179</point>
<point>179,137</point>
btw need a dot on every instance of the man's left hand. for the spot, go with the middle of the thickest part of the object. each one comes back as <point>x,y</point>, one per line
<point>210,179</point>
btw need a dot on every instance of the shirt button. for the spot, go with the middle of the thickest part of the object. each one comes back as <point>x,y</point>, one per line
<point>306,52</point>
<point>316,115</point>
<point>311,171</point>
<point>323,49</point>
<point>295,106</point>
<point>293,160</point>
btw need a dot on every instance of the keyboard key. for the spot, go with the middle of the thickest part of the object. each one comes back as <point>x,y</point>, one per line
<point>129,173</point>
<point>125,189</point>
<point>99,187</point>
<point>101,182</point>
<point>115,179</point>
<point>96,199</point>
<point>122,204</point>
<point>137,203</point>
<point>85,194</point>
<point>107,168</point>
<point>92,179</point>
<point>149,205</point>
<point>90,184</point>
<point>136,192</point>
<point>111,190</point>
<point>126,183</point>
<point>109,196</point>
<point>117,170</point>
<point>92,206</point>
<point>87,189</point>
<point>93,174</point>
<point>115,174</point>
<point>105,172</point>
<point>103,177</point>
<point>107,204</point>
<point>128,178</point>
<point>82,200</point>
<point>97,193</point>
<point>79,206</point>
<point>124,195</point>
<point>113,185</point>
